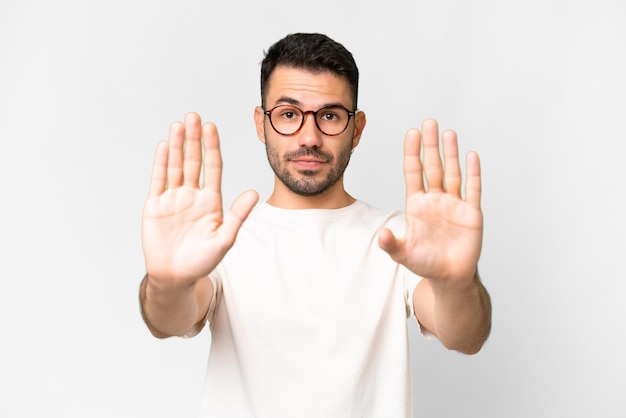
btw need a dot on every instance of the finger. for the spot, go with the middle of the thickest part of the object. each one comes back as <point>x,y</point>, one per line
<point>389,243</point>
<point>192,161</point>
<point>175,160</point>
<point>452,168</point>
<point>433,168</point>
<point>239,211</point>
<point>473,187</point>
<point>212,158</point>
<point>158,180</point>
<point>413,175</point>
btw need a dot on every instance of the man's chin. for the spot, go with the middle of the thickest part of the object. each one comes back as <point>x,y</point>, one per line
<point>306,186</point>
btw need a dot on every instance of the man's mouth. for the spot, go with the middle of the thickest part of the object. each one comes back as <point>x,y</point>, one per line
<point>309,155</point>
<point>307,163</point>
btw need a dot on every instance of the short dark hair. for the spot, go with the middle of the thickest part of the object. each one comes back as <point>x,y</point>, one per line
<point>313,52</point>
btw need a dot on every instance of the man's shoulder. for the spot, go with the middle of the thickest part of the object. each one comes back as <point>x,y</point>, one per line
<point>373,212</point>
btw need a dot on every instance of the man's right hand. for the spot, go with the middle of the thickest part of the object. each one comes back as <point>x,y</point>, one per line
<point>184,231</point>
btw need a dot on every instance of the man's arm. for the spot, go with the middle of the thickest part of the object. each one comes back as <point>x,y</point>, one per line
<point>459,316</point>
<point>184,231</point>
<point>178,312</point>
<point>443,239</point>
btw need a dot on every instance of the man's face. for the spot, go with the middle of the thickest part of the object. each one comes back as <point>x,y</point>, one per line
<point>309,162</point>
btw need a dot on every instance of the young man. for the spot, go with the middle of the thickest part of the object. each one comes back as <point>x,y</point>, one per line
<point>307,294</point>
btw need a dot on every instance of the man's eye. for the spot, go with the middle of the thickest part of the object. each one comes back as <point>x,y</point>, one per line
<point>329,116</point>
<point>289,115</point>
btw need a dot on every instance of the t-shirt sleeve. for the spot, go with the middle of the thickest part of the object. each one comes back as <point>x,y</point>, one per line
<point>215,278</point>
<point>215,299</point>
<point>411,280</point>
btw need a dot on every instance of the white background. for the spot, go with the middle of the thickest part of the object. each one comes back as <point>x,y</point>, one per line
<point>87,89</point>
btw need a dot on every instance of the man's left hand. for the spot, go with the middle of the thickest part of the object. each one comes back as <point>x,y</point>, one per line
<point>443,235</point>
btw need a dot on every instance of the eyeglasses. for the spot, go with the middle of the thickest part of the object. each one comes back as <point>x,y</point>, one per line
<point>288,119</point>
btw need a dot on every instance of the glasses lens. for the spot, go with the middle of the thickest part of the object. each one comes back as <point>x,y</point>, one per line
<point>286,119</point>
<point>332,120</point>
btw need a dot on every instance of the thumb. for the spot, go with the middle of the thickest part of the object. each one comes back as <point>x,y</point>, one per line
<point>388,242</point>
<point>239,211</point>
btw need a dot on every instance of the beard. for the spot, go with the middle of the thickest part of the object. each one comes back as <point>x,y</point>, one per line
<point>307,184</point>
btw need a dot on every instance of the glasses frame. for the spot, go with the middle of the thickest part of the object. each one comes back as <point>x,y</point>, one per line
<point>268,113</point>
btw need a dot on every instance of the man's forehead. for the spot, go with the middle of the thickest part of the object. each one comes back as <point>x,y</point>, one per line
<point>298,84</point>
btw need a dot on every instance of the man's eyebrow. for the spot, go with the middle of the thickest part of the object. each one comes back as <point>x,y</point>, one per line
<point>289,100</point>
<point>292,101</point>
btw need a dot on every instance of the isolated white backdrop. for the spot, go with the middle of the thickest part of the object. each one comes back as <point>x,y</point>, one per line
<point>87,89</point>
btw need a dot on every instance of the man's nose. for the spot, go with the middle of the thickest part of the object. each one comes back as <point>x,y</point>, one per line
<point>309,135</point>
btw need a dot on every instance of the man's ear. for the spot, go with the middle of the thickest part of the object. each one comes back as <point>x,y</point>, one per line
<point>259,121</point>
<point>359,124</point>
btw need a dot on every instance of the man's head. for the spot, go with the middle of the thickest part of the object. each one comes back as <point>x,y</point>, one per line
<point>308,121</point>
<point>312,52</point>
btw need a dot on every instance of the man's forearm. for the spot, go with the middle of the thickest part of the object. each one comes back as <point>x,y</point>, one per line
<point>174,311</point>
<point>461,314</point>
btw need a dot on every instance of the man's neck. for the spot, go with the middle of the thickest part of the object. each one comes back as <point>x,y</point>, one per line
<point>334,198</point>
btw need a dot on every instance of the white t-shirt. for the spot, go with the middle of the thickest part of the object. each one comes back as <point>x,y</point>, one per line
<point>309,318</point>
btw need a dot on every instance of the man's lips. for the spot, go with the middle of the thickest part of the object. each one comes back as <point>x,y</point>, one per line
<point>308,159</point>
<point>307,163</point>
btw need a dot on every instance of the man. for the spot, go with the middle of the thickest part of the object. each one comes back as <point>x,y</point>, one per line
<point>307,294</point>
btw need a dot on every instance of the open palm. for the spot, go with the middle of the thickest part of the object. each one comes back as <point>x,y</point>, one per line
<point>443,236</point>
<point>184,232</point>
